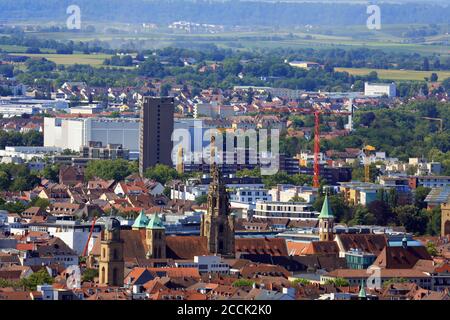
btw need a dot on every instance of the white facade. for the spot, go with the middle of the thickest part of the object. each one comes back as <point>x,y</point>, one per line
<point>380,89</point>
<point>292,210</point>
<point>205,264</point>
<point>74,133</point>
<point>285,193</point>
<point>250,195</point>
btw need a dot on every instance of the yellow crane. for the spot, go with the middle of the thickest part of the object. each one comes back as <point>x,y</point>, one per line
<point>367,150</point>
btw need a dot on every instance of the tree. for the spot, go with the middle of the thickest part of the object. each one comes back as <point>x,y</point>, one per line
<point>50,172</point>
<point>301,281</point>
<point>412,219</point>
<point>40,202</point>
<point>161,173</point>
<point>297,198</point>
<point>201,199</point>
<point>382,212</point>
<point>338,282</point>
<point>110,169</point>
<point>243,283</point>
<point>426,64</point>
<point>362,216</point>
<point>431,248</point>
<point>419,197</point>
<point>38,278</point>
<point>89,275</point>
<point>434,77</point>
<point>434,221</point>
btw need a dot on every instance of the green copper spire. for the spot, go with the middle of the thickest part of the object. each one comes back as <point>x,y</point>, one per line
<point>326,212</point>
<point>141,221</point>
<point>155,222</point>
<point>362,292</point>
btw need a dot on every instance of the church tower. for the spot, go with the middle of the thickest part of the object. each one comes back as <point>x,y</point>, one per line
<point>326,221</point>
<point>155,233</point>
<point>218,224</point>
<point>141,221</point>
<point>111,263</point>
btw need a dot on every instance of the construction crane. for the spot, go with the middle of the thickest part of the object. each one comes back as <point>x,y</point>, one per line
<point>441,123</point>
<point>89,237</point>
<point>317,113</point>
<point>367,150</point>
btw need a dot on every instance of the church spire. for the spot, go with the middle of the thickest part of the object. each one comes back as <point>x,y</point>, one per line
<point>326,221</point>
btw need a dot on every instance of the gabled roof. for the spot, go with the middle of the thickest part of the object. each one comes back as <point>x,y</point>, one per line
<point>186,247</point>
<point>401,258</point>
<point>370,243</point>
<point>271,246</point>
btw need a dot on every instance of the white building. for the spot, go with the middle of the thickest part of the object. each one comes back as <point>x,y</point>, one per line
<point>286,192</point>
<point>205,264</point>
<point>75,234</point>
<point>250,195</point>
<point>380,89</point>
<point>72,133</point>
<point>212,110</point>
<point>292,210</point>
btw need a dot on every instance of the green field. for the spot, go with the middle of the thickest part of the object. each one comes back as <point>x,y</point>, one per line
<point>70,59</point>
<point>396,74</point>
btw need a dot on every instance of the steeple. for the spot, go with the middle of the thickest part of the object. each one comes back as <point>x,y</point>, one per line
<point>362,292</point>
<point>326,221</point>
<point>141,221</point>
<point>155,234</point>
<point>155,223</point>
<point>326,212</point>
<point>218,223</point>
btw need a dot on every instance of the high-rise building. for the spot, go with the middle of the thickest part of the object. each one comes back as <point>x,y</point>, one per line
<point>155,132</point>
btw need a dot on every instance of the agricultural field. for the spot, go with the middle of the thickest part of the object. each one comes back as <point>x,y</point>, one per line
<point>70,59</point>
<point>397,75</point>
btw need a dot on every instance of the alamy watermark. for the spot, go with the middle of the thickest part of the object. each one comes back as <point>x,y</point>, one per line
<point>262,148</point>
<point>374,19</point>
<point>73,22</point>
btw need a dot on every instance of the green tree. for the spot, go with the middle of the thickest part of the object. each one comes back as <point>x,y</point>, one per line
<point>110,169</point>
<point>50,172</point>
<point>413,219</point>
<point>201,199</point>
<point>37,278</point>
<point>243,283</point>
<point>162,173</point>
<point>89,275</point>
<point>431,248</point>
<point>434,220</point>
<point>301,281</point>
<point>39,202</point>
<point>338,282</point>
<point>362,216</point>
<point>419,197</point>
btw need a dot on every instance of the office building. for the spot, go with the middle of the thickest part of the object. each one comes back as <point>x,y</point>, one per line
<point>155,132</point>
<point>380,89</point>
<point>74,133</point>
